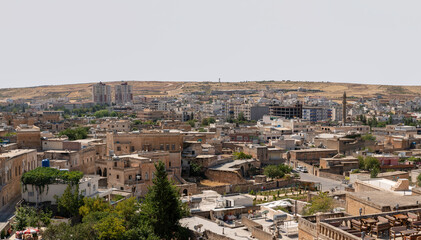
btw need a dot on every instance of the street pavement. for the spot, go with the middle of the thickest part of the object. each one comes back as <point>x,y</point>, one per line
<point>327,184</point>
<point>7,212</point>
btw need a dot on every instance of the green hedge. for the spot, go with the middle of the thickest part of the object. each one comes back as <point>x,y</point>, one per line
<point>43,176</point>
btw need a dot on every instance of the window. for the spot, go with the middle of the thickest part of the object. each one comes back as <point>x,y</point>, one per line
<point>169,163</point>
<point>94,187</point>
<point>118,148</point>
<point>130,177</point>
<point>173,147</point>
<point>146,176</point>
<point>115,164</point>
<point>168,147</point>
<point>118,176</point>
<point>161,147</point>
<point>132,148</point>
<point>30,194</point>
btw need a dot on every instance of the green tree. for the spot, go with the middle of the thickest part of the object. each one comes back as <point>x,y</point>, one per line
<point>241,117</point>
<point>26,216</point>
<point>414,159</point>
<point>242,155</point>
<point>69,203</point>
<point>127,209</point>
<point>196,170</point>
<point>91,205</point>
<point>102,113</point>
<point>361,163</point>
<point>75,133</point>
<point>162,205</point>
<point>272,171</point>
<point>276,171</point>
<point>374,172</point>
<point>191,122</point>
<point>368,137</point>
<point>370,163</point>
<point>64,231</point>
<point>205,122</point>
<point>319,203</point>
<point>110,228</point>
<point>143,232</point>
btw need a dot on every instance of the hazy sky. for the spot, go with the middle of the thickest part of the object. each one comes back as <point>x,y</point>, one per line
<point>56,42</point>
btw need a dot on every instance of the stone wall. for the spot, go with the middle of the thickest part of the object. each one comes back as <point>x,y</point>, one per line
<point>332,176</point>
<point>224,176</point>
<point>361,186</point>
<point>256,229</point>
<point>353,206</point>
<point>214,236</point>
<point>261,235</point>
<point>248,186</point>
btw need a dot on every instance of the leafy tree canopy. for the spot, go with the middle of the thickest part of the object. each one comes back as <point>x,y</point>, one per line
<point>276,171</point>
<point>75,133</point>
<point>319,203</point>
<point>42,176</point>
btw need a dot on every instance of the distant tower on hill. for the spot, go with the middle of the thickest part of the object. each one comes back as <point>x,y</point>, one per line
<point>344,109</point>
<point>123,93</point>
<point>101,93</point>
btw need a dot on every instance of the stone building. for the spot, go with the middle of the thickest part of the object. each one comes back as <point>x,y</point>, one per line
<point>12,165</point>
<point>28,137</point>
<point>127,143</point>
<point>310,156</point>
<point>339,164</point>
<point>134,172</point>
<point>116,125</point>
<point>77,155</point>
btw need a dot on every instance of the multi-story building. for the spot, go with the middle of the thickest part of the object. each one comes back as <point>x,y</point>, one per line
<point>123,93</point>
<point>101,93</point>
<point>135,172</point>
<point>129,143</point>
<point>12,165</point>
<point>314,114</point>
<point>28,137</point>
<point>288,112</point>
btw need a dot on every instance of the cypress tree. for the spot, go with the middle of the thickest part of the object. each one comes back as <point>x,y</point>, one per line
<point>162,206</point>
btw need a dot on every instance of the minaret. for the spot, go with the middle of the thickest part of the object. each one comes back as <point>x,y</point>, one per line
<point>344,109</point>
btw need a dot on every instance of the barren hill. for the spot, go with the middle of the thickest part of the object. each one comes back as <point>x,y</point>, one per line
<point>81,92</point>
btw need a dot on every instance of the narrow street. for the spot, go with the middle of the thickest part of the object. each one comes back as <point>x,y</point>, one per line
<point>7,212</point>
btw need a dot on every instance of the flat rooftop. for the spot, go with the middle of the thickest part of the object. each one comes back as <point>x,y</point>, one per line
<point>230,166</point>
<point>314,150</point>
<point>240,233</point>
<point>387,185</point>
<point>383,199</point>
<point>16,152</point>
